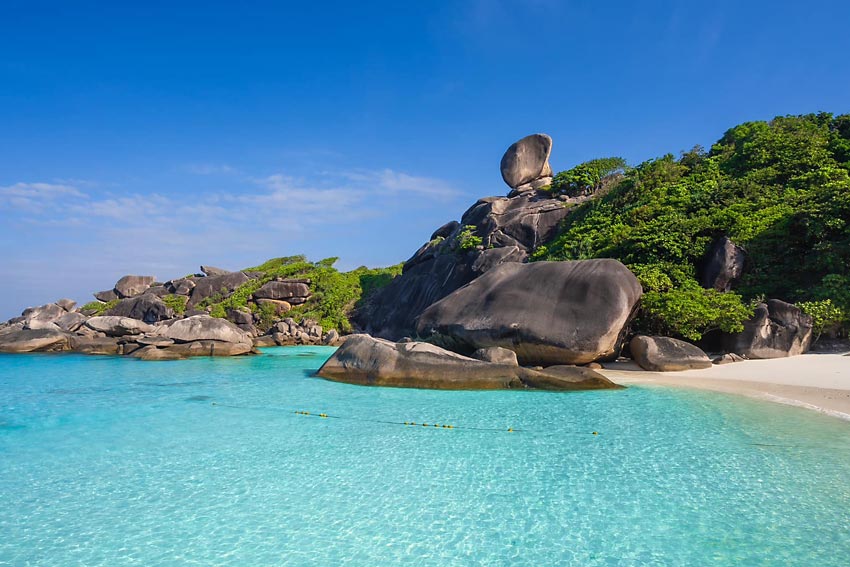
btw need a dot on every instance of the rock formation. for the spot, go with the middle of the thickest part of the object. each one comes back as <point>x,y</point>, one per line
<point>546,312</point>
<point>494,231</point>
<point>664,354</point>
<point>722,266</point>
<point>777,330</point>
<point>376,362</point>
<point>525,166</point>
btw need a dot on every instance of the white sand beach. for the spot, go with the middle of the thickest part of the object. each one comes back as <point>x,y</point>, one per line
<point>819,382</point>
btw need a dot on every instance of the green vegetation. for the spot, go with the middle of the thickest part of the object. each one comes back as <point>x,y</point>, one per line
<point>176,302</point>
<point>589,177</point>
<point>99,307</point>
<point>335,293</point>
<point>780,189</point>
<point>467,240</point>
<point>826,317</point>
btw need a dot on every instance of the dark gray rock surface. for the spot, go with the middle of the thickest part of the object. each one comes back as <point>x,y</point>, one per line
<point>209,286</point>
<point>369,361</point>
<point>527,160</point>
<point>509,228</point>
<point>723,265</point>
<point>547,312</point>
<point>131,286</point>
<point>777,330</point>
<point>665,354</point>
<point>147,307</point>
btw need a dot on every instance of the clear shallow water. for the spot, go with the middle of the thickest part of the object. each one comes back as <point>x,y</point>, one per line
<point>110,461</point>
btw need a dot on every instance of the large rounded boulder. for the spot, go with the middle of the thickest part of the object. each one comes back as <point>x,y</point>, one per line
<point>547,312</point>
<point>205,328</point>
<point>665,354</point>
<point>527,161</point>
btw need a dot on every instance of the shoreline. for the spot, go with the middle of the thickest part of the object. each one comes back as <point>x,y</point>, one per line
<point>819,382</point>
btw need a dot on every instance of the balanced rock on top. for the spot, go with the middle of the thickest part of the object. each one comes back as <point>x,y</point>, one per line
<point>525,166</point>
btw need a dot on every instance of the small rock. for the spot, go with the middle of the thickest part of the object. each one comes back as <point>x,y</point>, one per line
<point>664,354</point>
<point>131,286</point>
<point>728,358</point>
<point>153,353</point>
<point>67,304</point>
<point>212,271</point>
<point>496,354</point>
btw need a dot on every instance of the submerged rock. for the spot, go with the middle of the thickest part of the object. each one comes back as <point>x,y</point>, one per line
<point>664,354</point>
<point>369,361</point>
<point>546,312</point>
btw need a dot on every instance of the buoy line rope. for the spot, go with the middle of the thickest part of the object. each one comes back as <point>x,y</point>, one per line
<point>430,425</point>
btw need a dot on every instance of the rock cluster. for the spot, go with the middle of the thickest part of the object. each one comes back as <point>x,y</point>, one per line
<point>777,330</point>
<point>138,322</point>
<point>376,362</point>
<point>546,312</point>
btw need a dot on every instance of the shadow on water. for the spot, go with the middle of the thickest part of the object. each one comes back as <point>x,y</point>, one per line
<point>169,384</point>
<point>198,398</point>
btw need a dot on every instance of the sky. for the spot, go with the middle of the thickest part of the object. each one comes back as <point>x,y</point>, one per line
<point>152,137</point>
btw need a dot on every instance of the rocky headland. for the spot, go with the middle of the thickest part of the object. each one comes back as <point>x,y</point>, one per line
<point>486,303</point>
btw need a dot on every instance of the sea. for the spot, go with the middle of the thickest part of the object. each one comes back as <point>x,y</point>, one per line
<point>254,461</point>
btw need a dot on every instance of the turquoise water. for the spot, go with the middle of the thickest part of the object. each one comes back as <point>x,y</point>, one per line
<point>110,461</point>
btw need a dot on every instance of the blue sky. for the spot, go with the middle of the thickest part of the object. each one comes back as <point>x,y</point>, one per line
<point>151,137</point>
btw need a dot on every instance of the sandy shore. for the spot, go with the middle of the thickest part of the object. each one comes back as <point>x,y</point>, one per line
<point>819,382</point>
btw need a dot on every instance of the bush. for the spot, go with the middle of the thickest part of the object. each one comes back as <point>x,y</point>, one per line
<point>826,317</point>
<point>467,240</point>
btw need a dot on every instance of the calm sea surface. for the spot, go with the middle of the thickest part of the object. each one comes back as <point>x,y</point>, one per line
<point>112,461</point>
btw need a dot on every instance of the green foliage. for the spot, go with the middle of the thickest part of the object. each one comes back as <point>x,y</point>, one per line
<point>467,240</point>
<point>334,293</point>
<point>691,312</point>
<point>826,317</point>
<point>176,302</point>
<point>100,307</point>
<point>588,177</point>
<point>780,189</point>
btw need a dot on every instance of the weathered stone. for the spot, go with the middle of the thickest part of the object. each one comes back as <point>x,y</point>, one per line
<point>116,326</point>
<point>264,341</point>
<point>314,331</point>
<point>131,286</point>
<point>33,340</point>
<point>240,317</point>
<point>153,353</point>
<point>106,296</point>
<point>728,358</point>
<point>212,271</point>
<point>39,324</point>
<point>202,327</point>
<point>527,160</point>
<point>664,354</point>
<point>43,313</point>
<point>509,228</point>
<point>376,362</point>
<point>498,355</point>
<point>147,307</point>
<point>331,338</point>
<point>154,340</point>
<point>279,306</point>
<point>777,330</point>
<point>297,300</point>
<point>723,265</point>
<point>86,345</point>
<point>70,322</point>
<point>282,290</point>
<point>594,366</point>
<point>546,312</point>
<point>209,286</point>
<point>67,304</point>
<point>182,286</point>
<point>212,348</point>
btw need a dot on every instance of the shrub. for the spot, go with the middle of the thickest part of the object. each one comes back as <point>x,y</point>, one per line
<point>826,317</point>
<point>467,240</point>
